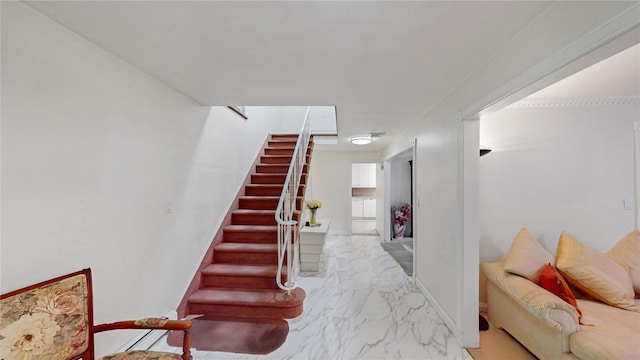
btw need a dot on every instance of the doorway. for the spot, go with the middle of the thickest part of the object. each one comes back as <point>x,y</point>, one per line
<point>363,199</point>
<point>400,227</point>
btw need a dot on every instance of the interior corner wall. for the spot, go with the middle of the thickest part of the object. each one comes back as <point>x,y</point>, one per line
<point>330,183</point>
<point>557,169</point>
<point>105,167</point>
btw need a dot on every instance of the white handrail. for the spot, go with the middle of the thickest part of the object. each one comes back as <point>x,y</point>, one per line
<point>287,226</point>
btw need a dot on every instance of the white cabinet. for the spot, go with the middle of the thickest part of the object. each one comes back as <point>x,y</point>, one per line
<point>363,207</point>
<point>312,241</point>
<point>363,175</point>
<point>369,208</point>
<point>357,207</point>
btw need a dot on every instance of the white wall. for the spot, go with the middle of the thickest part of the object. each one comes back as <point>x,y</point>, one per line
<point>557,169</point>
<point>93,154</point>
<point>330,183</point>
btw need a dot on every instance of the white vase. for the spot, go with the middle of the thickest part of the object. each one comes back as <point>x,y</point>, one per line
<point>398,230</point>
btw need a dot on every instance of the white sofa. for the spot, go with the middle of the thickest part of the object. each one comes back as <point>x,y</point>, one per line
<point>549,327</point>
<point>529,295</point>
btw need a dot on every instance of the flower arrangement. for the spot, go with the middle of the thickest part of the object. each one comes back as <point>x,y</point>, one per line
<point>313,204</point>
<point>401,214</point>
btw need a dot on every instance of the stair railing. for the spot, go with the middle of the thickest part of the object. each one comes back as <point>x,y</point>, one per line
<point>287,225</point>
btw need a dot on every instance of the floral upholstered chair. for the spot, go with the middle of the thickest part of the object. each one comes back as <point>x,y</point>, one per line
<point>53,320</point>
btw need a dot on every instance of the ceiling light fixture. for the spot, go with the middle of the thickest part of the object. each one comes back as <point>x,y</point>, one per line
<point>361,139</point>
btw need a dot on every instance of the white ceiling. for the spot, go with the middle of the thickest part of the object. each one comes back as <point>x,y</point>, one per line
<point>382,64</point>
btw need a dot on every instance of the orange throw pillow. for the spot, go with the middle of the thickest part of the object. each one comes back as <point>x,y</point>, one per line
<point>552,281</point>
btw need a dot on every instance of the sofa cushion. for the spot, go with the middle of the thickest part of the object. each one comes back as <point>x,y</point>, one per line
<point>552,281</point>
<point>594,273</point>
<point>614,334</point>
<point>627,254</point>
<point>526,256</point>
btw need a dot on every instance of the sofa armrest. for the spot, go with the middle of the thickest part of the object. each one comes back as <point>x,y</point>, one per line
<point>537,301</point>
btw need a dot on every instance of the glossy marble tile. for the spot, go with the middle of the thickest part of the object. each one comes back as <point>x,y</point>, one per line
<point>362,306</point>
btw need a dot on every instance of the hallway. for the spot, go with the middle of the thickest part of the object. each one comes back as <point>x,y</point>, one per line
<point>364,227</point>
<point>363,307</point>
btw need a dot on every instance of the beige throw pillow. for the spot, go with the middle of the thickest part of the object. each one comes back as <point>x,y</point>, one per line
<point>527,257</point>
<point>626,253</point>
<point>594,273</point>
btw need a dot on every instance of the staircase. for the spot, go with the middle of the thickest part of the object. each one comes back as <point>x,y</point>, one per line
<point>240,281</point>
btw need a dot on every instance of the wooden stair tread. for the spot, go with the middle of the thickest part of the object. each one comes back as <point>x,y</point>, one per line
<point>252,228</point>
<point>245,297</point>
<point>277,176</point>
<point>277,156</point>
<point>272,168</point>
<point>247,247</point>
<point>279,186</point>
<point>258,212</point>
<point>277,144</point>
<point>258,197</point>
<point>281,145</point>
<point>241,270</point>
<point>264,197</point>
<point>280,136</point>
<point>255,212</point>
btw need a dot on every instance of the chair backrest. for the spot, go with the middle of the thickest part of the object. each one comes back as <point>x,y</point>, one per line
<point>50,320</point>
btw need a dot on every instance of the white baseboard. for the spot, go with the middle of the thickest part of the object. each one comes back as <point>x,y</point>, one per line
<point>440,311</point>
<point>146,338</point>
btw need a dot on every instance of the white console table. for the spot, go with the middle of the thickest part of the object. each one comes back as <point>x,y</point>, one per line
<point>312,244</point>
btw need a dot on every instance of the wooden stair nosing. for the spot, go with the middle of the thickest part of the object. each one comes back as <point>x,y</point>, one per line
<point>244,297</point>
<point>250,228</point>
<point>249,312</point>
<point>260,270</point>
<point>246,247</point>
<point>250,212</point>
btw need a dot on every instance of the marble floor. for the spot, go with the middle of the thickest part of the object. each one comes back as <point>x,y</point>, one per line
<point>362,306</point>
<point>364,227</point>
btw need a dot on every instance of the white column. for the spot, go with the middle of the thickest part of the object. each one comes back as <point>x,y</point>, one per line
<point>636,157</point>
<point>468,231</point>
